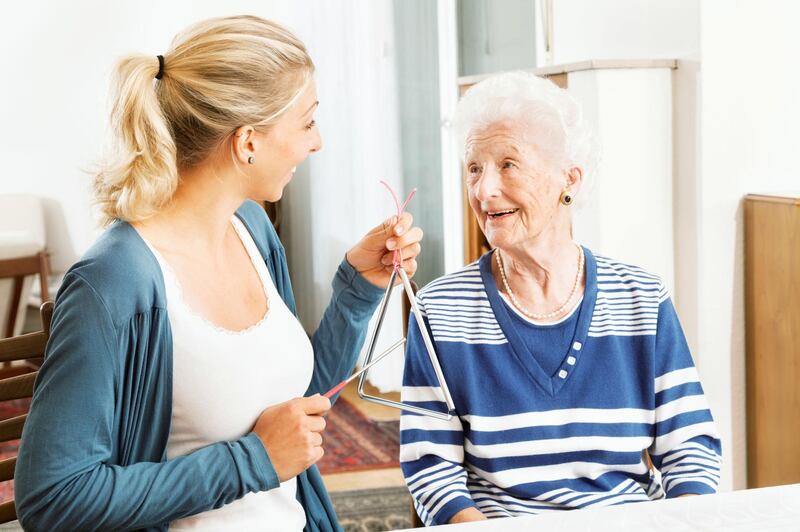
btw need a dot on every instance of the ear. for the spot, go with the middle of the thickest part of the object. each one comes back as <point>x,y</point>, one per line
<point>574,179</point>
<point>244,143</point>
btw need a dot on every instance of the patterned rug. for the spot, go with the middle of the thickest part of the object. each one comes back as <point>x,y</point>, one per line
<point>10,409</point>
<point>373,510</point>
<point>353,442</point>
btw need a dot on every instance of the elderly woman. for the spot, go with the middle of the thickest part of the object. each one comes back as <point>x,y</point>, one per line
<point>572,381</point>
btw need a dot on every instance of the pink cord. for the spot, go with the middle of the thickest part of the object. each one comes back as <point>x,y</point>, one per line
<point>398,255</point>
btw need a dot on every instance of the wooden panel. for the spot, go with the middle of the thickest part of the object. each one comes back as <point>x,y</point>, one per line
<point>29,345</point>
<point>772,310</point>
<point>7,469</point>
<point>11,428</point>
<point>8,512</point>
<point>17,387</point>
<point>559,79</point>
<point>20,266</point>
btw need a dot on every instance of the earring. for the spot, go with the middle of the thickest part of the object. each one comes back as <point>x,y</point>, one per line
<point>251,160</point>
<point>566,197</point>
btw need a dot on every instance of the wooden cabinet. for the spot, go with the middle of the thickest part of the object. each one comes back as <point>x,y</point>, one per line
<point>772,317</point>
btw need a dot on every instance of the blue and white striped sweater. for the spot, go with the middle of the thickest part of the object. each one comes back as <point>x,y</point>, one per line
<point>527,442</point>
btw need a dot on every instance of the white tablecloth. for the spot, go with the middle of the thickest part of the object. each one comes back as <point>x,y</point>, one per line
<point>764,509</point>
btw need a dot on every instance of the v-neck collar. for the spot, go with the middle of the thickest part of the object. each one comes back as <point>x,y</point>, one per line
<point>551,384</point>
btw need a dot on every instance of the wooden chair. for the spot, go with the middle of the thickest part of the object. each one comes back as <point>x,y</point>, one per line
<point>20,386</point>
<point>17,269</point>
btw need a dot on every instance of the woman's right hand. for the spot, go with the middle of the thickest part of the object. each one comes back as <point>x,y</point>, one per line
<point>291,434</point>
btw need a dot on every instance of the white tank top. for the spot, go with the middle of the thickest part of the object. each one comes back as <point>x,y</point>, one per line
<point>223,380</point>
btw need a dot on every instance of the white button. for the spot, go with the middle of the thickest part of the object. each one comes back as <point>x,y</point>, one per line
<point>577,346</point>
<point>571,361</point>
<point>562,374</point>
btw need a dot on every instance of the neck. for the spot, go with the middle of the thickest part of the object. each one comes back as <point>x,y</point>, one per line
<point>541,274</point>
<point>197,217</point>
<point>542,261</point>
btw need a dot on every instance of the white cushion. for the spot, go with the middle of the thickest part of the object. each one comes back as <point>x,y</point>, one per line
<point>22,229</point>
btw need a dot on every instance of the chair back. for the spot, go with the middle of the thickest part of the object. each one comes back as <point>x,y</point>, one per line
<point>16,385</point>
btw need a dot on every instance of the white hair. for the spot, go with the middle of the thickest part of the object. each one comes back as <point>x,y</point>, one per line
<point>552,118</point>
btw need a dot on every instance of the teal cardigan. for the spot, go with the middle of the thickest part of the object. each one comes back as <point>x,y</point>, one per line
<point>93,452</point>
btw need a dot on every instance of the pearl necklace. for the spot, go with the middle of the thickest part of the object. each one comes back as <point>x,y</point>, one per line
<point>560,310</point>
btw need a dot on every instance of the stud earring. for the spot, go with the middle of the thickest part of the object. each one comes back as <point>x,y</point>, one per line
<point>251,160</point>
<point>566,197</point>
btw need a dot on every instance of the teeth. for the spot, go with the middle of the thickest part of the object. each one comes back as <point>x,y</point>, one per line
<point>500,213</point>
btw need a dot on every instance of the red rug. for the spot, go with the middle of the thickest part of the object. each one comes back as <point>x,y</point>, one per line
<point>353,442</point>
<point>8,449</point>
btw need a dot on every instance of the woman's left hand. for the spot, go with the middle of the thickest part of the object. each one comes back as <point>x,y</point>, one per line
<point>373,256</point>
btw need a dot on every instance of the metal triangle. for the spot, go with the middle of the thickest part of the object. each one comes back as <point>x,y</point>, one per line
<point>372,342</point>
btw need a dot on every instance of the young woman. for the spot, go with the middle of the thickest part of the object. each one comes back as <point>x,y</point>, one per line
<point>178,389</point>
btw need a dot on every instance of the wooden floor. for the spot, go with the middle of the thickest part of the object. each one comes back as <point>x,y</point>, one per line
<point>374,478</point>
<point>370,409</point>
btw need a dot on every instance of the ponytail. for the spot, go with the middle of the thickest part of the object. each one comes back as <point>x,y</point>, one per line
<point>142,176</point>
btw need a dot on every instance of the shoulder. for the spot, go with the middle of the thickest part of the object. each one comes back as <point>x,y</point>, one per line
<point>458,309</point>
<point>121,271</point>
<point>618,276</point>
<point>465,281</point>
<point>255,218</point>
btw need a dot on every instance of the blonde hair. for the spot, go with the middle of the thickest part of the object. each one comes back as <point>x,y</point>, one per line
<point>219,75</point>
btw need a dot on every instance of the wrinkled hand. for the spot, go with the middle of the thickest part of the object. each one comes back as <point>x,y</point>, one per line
<point>291,434</point>
<point>373,256</point>
<point>467,515</point>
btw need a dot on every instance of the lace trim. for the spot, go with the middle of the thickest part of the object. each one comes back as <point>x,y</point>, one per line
<point>167,269</point>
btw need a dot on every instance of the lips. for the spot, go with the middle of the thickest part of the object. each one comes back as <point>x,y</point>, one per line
<point>498,214</point>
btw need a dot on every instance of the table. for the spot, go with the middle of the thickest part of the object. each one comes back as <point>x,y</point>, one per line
<point>763,509</point>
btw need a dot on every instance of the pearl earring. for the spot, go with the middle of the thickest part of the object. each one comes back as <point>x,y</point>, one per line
<point>251,160</point>
<point>566,197</point>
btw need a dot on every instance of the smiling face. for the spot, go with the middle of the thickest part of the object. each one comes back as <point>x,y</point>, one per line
<point>513,188</point>
<point>282,147</point>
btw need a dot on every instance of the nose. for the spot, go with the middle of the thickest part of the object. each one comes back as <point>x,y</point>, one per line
<point>488,185</point>
<point>316,143</point>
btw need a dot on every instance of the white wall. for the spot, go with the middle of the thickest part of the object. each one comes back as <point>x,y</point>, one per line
<point>624,29</point>
<point>750,108</point>
<point>627,212</point>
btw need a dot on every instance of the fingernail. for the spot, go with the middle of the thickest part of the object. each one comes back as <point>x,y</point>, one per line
<point>399,230</point>
<point>391,243</point>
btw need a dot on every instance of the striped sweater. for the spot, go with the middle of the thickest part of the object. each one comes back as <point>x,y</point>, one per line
<point>524,441</point>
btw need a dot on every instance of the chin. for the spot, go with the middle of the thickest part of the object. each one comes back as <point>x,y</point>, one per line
<point>270,196</point>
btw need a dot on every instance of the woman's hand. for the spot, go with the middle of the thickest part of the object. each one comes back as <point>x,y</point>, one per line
<point>372,257</point>
<point>467,515</point>
<point>291,434</point>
